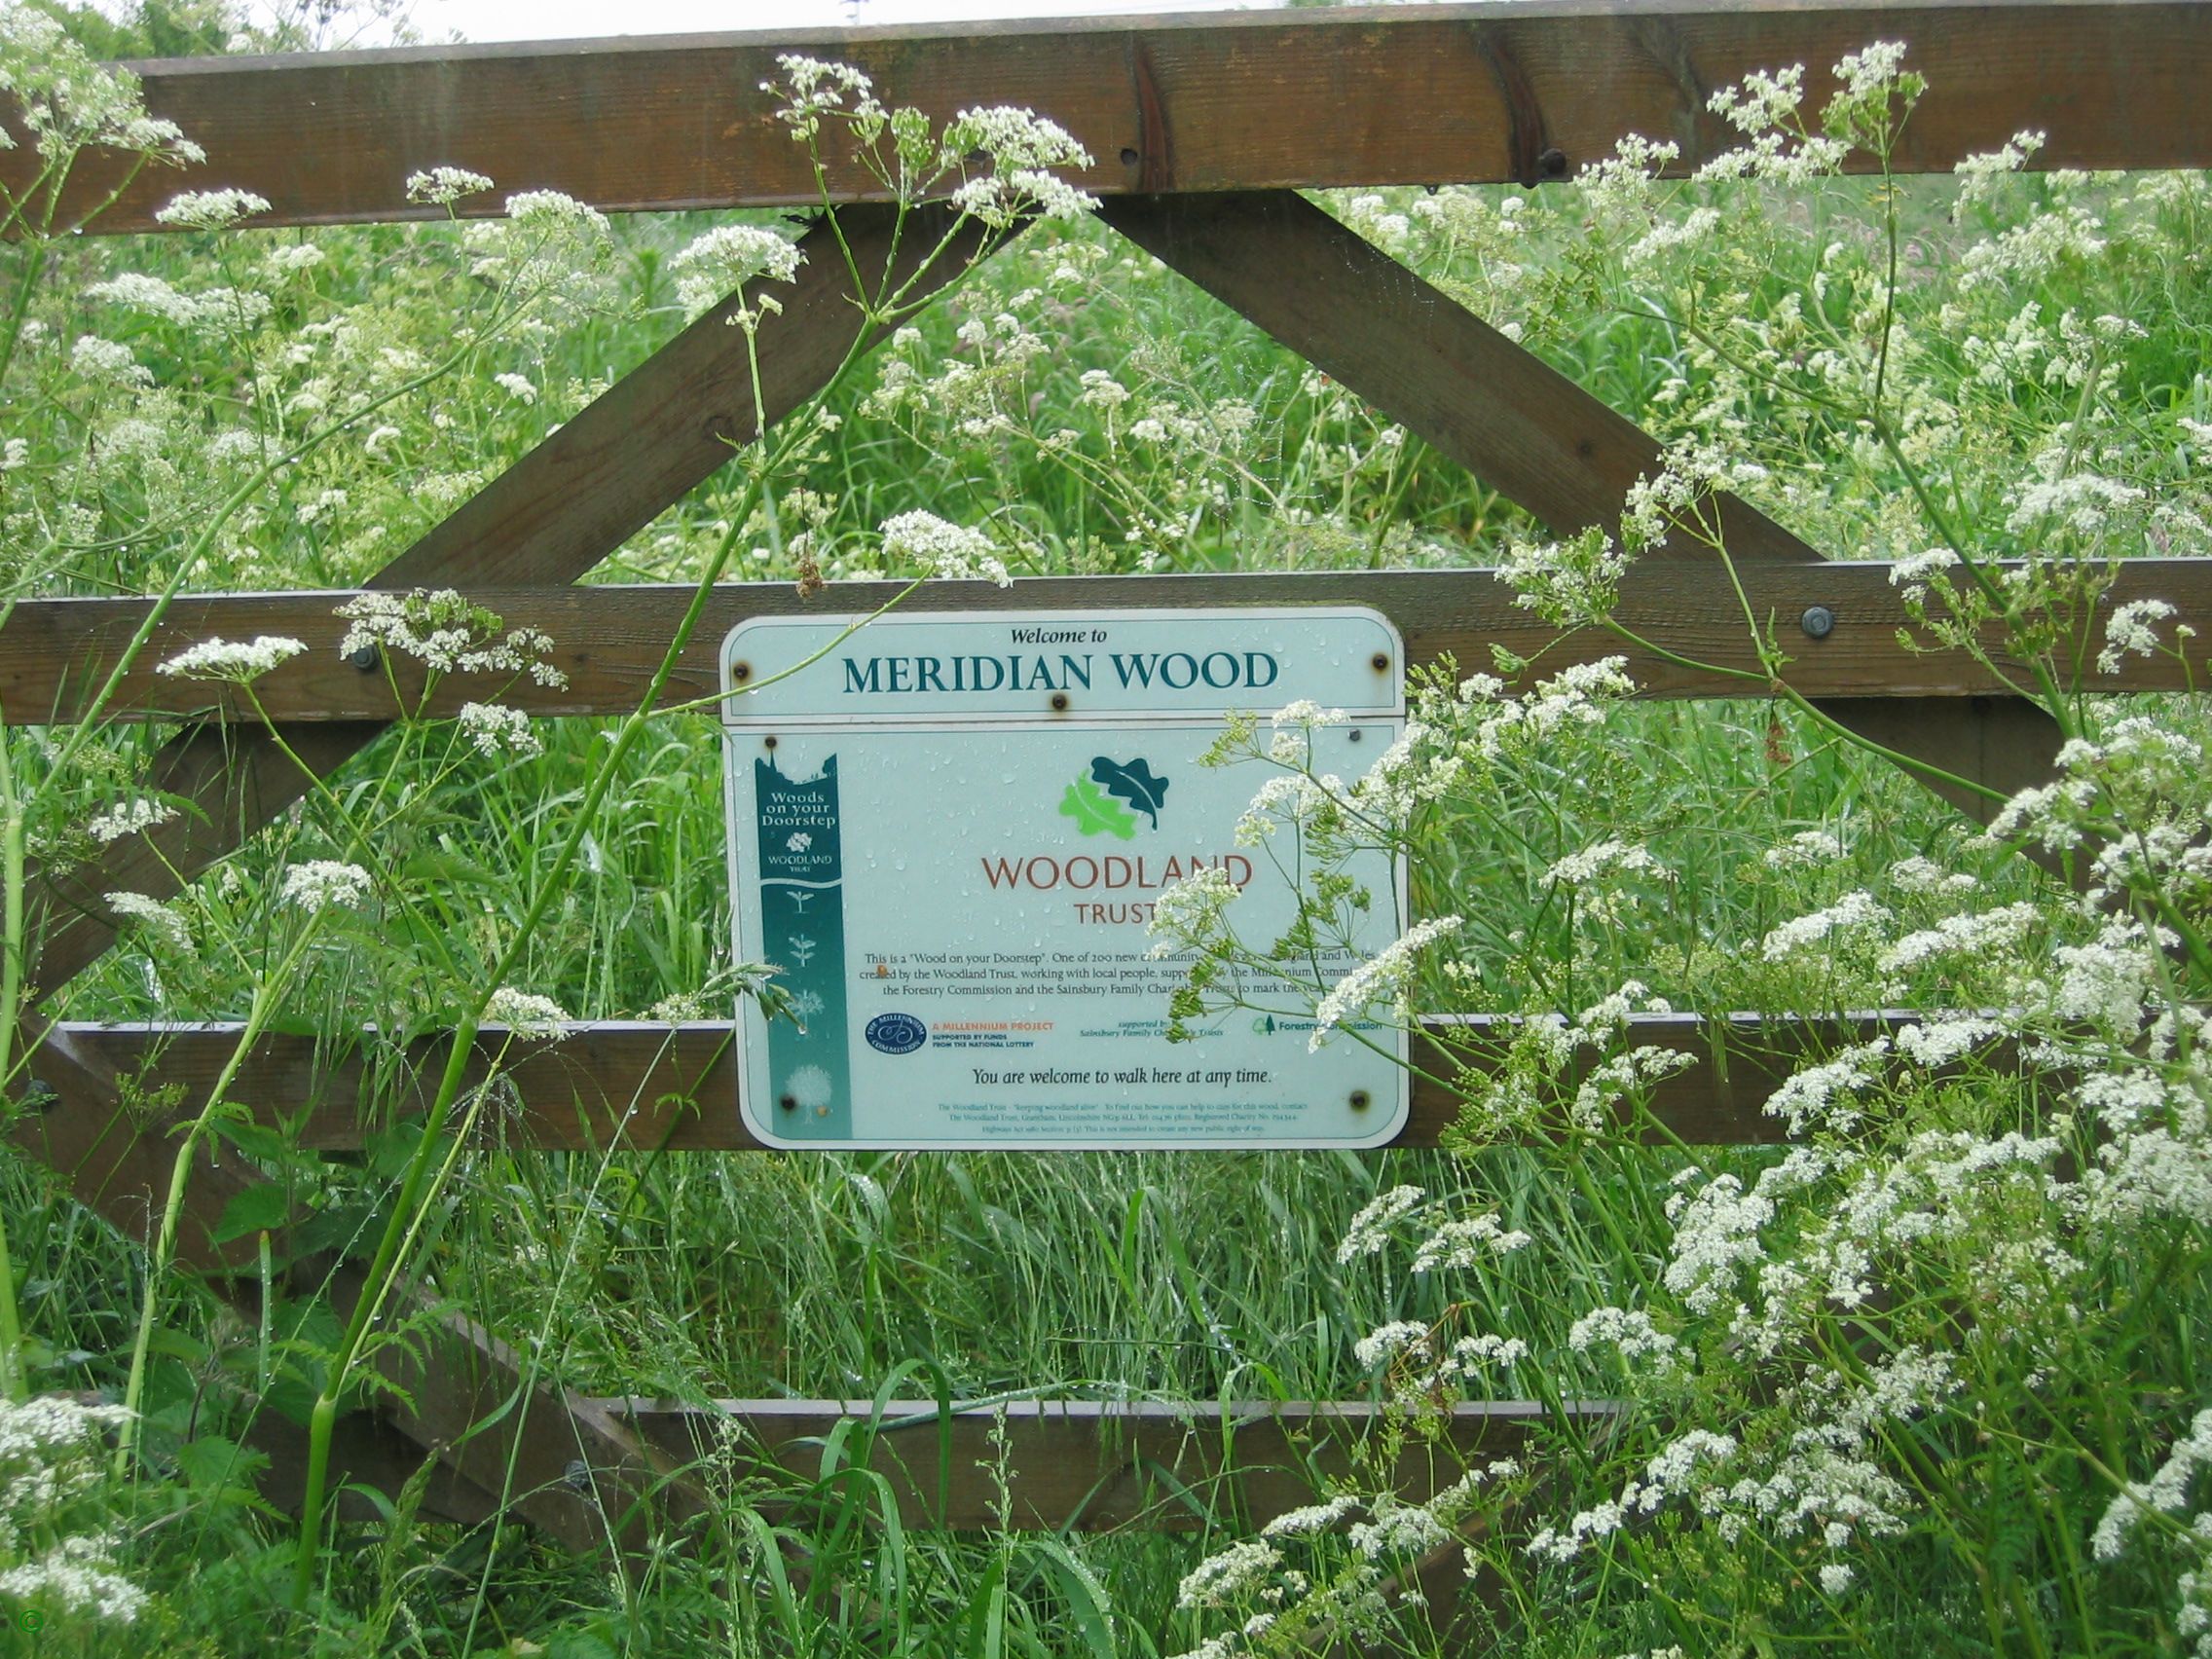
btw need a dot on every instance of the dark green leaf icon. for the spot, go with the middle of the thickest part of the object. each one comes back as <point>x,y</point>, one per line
<point>1133,783</point>
<point>1094,813</point>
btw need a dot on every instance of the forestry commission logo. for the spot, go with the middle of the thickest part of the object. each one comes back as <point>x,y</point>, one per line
<point>1106,800</point>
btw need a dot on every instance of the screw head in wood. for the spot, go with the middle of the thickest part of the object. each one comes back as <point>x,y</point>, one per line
<point>364,658</point>
<point>577,1475</point>
<point>1818,622</point>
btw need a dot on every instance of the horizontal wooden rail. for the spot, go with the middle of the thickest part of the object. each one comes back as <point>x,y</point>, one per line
<point>1092,1466</point>
<point>1451,93</point>
<point>676,1087</point>
<point>54,653</point>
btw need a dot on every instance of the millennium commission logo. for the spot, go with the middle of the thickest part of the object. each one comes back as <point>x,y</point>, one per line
<point>1107,799</point>
<point>896,1033</point>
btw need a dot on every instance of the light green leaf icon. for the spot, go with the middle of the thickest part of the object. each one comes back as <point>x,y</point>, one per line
<point>1096,812</point>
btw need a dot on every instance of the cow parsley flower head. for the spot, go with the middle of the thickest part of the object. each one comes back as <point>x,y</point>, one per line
<point>1580,869</point>
<point>128,819</point>
<point>720,263</point>
<point>442,187</point>
<point>524,1013</point>
<point>1871,70</point>
<point>952,551</point>
<point>236,662</point>
<point>320,883</point>
<point>495,730</point>
<point>1853,915</point>
<point>1188,914</point>
<point>210,210</point>
<point>1021,148</point>
<point>447,634</point>
<point>1370,1230</point>
<point>812,88</point>
<point>1386,1343</point>
<point>77,1576</point>
<point>152,915</point>
<point>2130,629</point>
<point>1388,975</point>
<point>1807,849</point>
<point>1228,1576</point>
<point>551,213</point>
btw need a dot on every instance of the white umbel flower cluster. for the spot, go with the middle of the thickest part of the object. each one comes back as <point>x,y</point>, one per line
<point>523,1013</point>
<point>1370,1230</point>
<point>210,210</point>
<point>495,730</point>
<point>77,1576</point>
<point>442,187</point>
<point>951,551</point>
<point>152,915</point>
<point>320,883</point>
<point>447,634</point>
<point>51,1451</point>
<point>1388,975</point>
<point>1020,147</point>
<point>721,263</point>
<point>237,661</point>
<point>128,819</point>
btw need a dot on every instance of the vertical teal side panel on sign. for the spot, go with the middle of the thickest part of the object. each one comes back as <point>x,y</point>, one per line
<point>802,931</point>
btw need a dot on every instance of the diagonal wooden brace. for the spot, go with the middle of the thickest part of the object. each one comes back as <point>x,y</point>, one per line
<point>1485,402</point>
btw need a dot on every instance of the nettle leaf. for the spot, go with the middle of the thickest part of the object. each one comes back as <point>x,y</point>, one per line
<point>1094,813</point>
<point>1134,782</point>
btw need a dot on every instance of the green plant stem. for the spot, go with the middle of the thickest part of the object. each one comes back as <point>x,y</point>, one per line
<point>164,1251</point>
<point>11,867</point>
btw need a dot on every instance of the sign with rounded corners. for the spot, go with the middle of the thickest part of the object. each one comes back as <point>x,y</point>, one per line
<point>948,832</point>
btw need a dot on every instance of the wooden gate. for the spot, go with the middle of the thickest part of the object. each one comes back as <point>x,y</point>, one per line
<point>1206,128</point>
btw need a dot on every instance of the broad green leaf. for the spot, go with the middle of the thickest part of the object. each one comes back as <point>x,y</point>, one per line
<point>263,1207</point>
<point>1135,783</point>
<point>1094,813</point>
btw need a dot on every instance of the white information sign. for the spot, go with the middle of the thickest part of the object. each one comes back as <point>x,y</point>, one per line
<point>948,830</point>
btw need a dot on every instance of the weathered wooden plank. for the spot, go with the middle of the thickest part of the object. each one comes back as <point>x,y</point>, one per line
<point>1478,93</point>
<point>1512,419</point>
<point>548,518</point>
<point>676,1087</point>
<point>367,1453</point>
<point>54,654</point>
<point>569,1463</point>
<point>1093,1466</point>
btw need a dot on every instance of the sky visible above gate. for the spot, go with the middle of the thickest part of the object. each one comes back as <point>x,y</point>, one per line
<point>555,19</point>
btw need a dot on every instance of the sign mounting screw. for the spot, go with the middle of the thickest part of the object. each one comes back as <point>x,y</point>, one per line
<point>1818,622</point>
